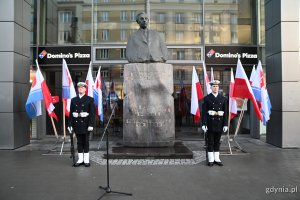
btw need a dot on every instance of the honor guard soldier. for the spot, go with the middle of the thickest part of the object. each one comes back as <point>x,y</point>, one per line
<point>82,120</point>
<point>214,122</point>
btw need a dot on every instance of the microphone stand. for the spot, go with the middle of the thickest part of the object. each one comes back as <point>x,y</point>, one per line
<point>107,188</point>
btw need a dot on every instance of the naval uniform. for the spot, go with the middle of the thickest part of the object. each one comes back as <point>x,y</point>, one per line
<point>214,119</point>
<point>80,124</point>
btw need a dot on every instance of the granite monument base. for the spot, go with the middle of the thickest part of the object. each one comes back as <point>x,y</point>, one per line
<point>148,106</point>
<point>178,151</point>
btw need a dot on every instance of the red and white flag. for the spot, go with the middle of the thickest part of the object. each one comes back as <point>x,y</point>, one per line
<point>68,89</point>
<point>232,100</point>
<point>242,88</point>
<point>206,79</point>
<point>90,82</point>
<point>197,95</point>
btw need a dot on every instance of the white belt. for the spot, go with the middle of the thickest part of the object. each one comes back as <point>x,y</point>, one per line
<point>213,113</point>
<point>81,114</point>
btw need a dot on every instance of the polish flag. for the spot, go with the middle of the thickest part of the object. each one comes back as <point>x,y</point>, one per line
<point>197,95</point>
<point>90,82</point>
<point>242,88</point>
<point>206,79</point>
<point>68,89</point>
<point>232,100</point>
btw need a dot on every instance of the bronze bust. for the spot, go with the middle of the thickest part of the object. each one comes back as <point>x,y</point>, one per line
<point>144,45</point>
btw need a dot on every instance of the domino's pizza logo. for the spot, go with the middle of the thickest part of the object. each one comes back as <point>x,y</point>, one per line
<point>210,53</point>
<point>42,54</point>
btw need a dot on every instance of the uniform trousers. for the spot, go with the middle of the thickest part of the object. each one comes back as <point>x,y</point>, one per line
<point>213,141</point>
<point>83,144</point>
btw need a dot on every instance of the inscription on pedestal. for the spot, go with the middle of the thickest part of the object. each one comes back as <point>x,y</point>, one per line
<point>148,111</point>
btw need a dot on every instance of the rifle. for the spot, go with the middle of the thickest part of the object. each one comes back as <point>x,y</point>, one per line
<point>206,146</point>
<point>72,147</point>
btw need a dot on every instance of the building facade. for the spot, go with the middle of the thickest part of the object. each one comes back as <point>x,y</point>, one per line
<point>195,31</point>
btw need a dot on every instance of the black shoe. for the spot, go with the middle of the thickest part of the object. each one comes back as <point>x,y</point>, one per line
<point>218,163</point>
<point>77,164</point>
<point>210,164</point>
<point>87,164</point>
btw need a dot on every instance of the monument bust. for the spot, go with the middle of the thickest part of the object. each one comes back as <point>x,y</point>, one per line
<point>144,45</point>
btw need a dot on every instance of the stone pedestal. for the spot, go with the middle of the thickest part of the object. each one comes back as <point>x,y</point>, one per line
<point>148,110</point>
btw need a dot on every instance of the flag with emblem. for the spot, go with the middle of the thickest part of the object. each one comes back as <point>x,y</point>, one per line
<point>98,98</point>
<point>261,93</point>
<point>39,91</point>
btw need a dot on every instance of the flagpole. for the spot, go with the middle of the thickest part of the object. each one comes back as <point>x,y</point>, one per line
<point>240,118</point>
<point>54,128</point>
<point>64,120</point>
<point>239,123</point>
<point>229,114</point>
<point>228,136</point>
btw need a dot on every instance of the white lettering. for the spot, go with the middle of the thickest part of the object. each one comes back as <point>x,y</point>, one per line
<point>61,55</point>
<point>79,55</point>
<point>234,55</point>
<point>247,55</point>
<point>69,55</point>
<point>227,55</point>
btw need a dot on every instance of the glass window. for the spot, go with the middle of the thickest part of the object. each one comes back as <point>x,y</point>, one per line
<point>198,18</point>
<point>179,35</point>
<point>104,34</point>
<point>104,73</point>
<point>180,55</point>
<point>180,26</point>
<point>65,16</point>
<point>63,37</point>
<point>179,18</point>
<point>180,74</point>
<point>230,22</point>
<point>123,35</point>
<point>105,16</point>
<point>133,14</point>
<point>123,16</point>
<point>102,54</point>
<point>161,17</point>
<point>123,54</point>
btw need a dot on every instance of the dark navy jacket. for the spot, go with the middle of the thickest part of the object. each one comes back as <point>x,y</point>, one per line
<point>219,103</point>
<point>83,104</point>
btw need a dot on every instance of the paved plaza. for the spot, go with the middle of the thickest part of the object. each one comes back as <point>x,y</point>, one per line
<point>264,172</point>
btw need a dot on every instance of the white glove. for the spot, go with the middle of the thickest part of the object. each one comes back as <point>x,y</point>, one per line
<point>75,114</point>
<point>225,129</point>
<point>204,128</point>
<point>90,128</point>
<point>84,114</point>
<point>220,113</point>
<point>70,129</point>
